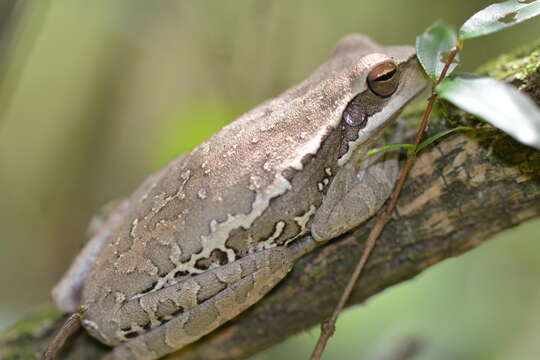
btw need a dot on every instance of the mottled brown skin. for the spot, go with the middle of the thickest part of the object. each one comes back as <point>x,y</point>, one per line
<point>211,233</point>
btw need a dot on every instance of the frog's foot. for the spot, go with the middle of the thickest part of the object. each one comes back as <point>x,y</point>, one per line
<point>164,321</point>
<point>357,193</point>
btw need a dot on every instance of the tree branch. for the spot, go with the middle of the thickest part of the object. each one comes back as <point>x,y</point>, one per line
<point>467,188</point>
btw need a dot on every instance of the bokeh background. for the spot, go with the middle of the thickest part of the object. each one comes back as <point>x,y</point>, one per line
<point>94,95</point>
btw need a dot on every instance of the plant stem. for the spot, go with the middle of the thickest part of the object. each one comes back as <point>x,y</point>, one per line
<point>329,327</point>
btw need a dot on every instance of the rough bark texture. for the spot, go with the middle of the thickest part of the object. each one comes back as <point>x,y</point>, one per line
<point>461,192</point>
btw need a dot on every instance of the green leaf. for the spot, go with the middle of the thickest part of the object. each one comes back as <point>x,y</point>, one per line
<point>436,137</point>
<point>433,47</point>
<point>499,16</point>
<point>498,103</point>
<point>410,147</point>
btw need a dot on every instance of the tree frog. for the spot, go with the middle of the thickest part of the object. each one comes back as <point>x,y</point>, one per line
<point>212,232</point>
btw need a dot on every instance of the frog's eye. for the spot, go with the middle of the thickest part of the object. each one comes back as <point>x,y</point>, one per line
<point>383,80</point>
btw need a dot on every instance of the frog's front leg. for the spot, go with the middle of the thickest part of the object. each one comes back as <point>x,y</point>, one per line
<point>357,192</point>
<point>160,322</point>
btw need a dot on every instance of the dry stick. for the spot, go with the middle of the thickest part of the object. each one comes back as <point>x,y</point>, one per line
<point>70,327</point>
<point>329,326</point>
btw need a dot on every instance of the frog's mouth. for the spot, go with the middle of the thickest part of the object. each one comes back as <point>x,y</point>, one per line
<point>382,135</point>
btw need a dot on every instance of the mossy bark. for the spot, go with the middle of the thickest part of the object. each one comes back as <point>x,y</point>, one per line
<point>462,191</point>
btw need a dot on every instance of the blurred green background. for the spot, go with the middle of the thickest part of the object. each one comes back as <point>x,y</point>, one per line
<point>94,95</point>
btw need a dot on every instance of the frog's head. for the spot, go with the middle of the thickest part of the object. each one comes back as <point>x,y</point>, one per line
<point>376,83</point>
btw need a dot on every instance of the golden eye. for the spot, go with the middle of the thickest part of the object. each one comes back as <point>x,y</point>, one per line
<point>383,80</point>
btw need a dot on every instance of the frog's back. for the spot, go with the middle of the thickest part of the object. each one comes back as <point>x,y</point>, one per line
<point>211,206</point>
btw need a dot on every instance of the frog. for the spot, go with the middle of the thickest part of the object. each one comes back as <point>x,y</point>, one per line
<point>212,232</point>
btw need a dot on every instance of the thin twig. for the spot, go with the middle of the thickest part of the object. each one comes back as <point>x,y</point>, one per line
<point>329,327</point>
<point>70,327</point>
